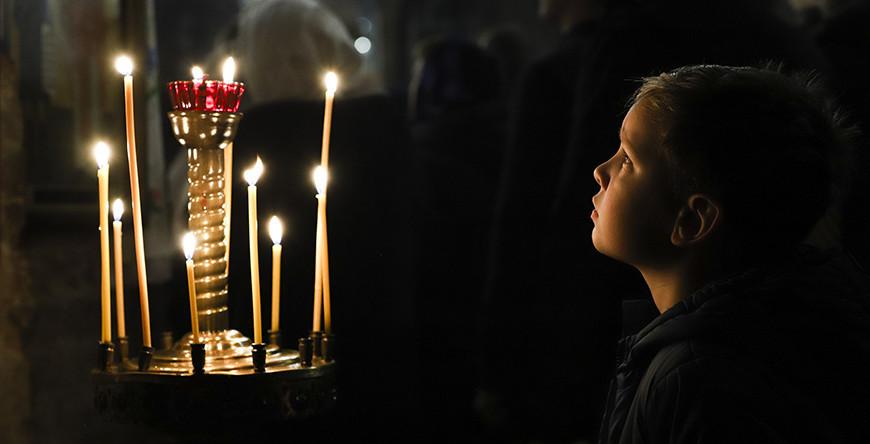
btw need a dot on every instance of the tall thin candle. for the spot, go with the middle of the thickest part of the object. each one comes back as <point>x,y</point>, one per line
<point>229,71</point>
<point>188,243</point>
<point>331,82</point>
<point>101,153</point>
<point>251,176</point>
<point>320,176</point>
<point>327,302</point>
<point>276,230</point>
<point>117,212</point>
<point>125,66</point>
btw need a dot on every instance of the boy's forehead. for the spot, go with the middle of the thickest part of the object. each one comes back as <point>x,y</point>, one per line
<point>640,130</point>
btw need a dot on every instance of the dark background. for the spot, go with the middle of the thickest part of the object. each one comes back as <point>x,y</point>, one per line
<point>60,93</point>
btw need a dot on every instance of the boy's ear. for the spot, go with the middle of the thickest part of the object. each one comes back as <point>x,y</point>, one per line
<point>697,220</point>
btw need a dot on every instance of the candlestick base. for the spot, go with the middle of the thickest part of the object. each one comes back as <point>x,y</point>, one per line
<point>258,357</point>
<point>275,338</point>
<point>227,352</point>
<point>327,347</point>
<point>165,340</point>
<point>282,397</point>
<point>305,352</point>
<point>123,347</point>
<point>316,343</point>
<point>197,358</point>
<point>145,358</point>
<point>105,355</point>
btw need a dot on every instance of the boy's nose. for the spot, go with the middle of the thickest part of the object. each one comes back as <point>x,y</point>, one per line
<point>599,176</point>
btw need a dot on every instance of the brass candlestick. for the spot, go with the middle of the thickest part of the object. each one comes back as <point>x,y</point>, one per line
<point>205,135</point>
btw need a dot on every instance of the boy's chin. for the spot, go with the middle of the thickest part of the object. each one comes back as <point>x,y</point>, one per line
<point>597,243</point>
<point>601,246</point>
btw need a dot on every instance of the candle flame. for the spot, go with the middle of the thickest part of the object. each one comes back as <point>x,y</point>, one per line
<point>197,73</point>
<point>188,243</point>
<point>117,209</point>
<point>331,82</point>
<point>124,65</point>
<point>320,177</point>
<point>101,153</point>
<point>252,175</point>
<point>229,69</point>
<point>276,229</point>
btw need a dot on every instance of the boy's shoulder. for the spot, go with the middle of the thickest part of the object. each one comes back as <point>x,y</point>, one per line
<point>699,391</point>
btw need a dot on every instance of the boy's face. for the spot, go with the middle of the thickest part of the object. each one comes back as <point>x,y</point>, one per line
<point>634,215</point>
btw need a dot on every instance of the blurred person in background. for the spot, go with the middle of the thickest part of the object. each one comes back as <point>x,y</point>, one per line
<point>457,127</point>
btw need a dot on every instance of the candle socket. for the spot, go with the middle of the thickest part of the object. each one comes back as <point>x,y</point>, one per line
<point>145,358</point>
<point>327,347</point>
<point>275,337</point>
<point>258,356</point>
<point>316,342</point>
<point>305,352</point>
<point>197,357</point>
<point>166,340</point>
<point>105,355</point>
<point>123,347</point>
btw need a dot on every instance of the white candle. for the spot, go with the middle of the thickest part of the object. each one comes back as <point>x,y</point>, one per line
<point>228,201</point>
<point>229,71</point>
<point>125,66</point>
<point>188,243</point>
<point>117,212</point>
<point>276,230</point>
<point>320,178</point>
<point>101,153</point>
<point>327,303</point>
<point>251,176</point>
<point>331,82</point>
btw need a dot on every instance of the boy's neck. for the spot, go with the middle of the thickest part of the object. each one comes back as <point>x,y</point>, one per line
<point>671,285</point>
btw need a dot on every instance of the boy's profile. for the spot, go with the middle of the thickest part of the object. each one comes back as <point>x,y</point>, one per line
<point>721,173</point>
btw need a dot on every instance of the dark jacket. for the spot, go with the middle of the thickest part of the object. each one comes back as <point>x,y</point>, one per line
<point>778,354</point>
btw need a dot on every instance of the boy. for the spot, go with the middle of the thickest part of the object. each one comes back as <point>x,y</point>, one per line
<point>720,173</point>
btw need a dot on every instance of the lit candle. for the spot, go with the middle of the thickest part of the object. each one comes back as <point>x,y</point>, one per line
<point>101,153</point>
<point>188,243</point>
<point>229,71</point>
<point>117,212</point>
<point>327,309</point>
<point>125,66</point>
<point>276,230</point>
<point>197,74</point>
<point>320,179</point>
<point>331,81</point>
<point>228,200</point>
<point>251,176</point>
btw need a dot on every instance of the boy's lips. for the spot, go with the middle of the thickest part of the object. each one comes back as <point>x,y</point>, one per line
<point>594,214</point>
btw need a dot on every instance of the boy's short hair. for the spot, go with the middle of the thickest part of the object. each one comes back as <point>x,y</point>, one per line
<point>760,142</point>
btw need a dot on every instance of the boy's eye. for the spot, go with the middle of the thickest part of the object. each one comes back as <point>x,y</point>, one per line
<point>625,160</point>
